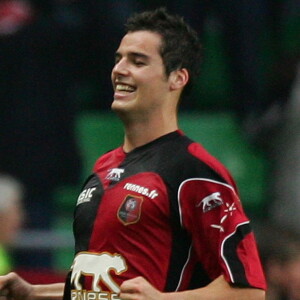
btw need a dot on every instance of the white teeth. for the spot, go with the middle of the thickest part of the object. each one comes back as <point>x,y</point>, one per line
<point>123,87</point>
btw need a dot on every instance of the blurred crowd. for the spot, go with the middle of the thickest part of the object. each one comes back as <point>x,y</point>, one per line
<point>55,61</point>
<point>11,218</point>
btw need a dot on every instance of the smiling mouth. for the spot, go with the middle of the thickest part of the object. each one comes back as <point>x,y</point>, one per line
<point>124,88</point>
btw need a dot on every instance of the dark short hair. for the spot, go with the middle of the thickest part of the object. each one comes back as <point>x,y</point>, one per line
<point>181,47</point>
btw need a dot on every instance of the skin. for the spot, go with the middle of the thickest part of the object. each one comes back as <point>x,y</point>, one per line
<point>293,275</point>
<point>284,277</point>
<point>140,289</point>
<point>146,101</point>
<point>13,287</point>
<point>150,110</point>
<point>10,222</point>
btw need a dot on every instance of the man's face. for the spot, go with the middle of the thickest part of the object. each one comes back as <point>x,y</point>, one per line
<point>138,77</point>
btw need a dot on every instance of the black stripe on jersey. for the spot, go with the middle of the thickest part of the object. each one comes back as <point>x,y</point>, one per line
<point>179,257</point>
<point>67,288</point>
<point>199,278</point>
<point>85,214</point>
<point>235,265</point>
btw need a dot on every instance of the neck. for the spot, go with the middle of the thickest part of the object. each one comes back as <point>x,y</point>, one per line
<point>140,133</point>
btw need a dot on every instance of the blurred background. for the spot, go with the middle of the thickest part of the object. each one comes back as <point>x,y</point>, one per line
<point>55,119</point>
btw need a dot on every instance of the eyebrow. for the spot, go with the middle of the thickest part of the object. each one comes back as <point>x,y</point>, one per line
<point>133,55</point>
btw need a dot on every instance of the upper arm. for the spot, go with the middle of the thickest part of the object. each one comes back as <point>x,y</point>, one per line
<point>222,238</point>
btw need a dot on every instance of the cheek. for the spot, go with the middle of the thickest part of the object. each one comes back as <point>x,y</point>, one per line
<point>154,85</point>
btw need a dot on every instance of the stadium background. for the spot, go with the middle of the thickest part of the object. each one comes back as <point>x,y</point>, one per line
<point>91,30</point>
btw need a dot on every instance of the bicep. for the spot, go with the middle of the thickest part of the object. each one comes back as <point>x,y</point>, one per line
<point>222,238</point>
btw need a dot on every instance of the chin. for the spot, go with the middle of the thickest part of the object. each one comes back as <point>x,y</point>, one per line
<point>126,112</point>
<point>116,105</point>
<point>122,106</point>
<point>120,109</point>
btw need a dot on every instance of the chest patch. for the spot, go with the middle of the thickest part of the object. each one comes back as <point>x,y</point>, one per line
<point>130,209</point>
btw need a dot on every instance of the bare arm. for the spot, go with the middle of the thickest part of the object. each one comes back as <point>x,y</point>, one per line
<point>217,290</point>
<point>12,286</point>
<point>140,289</point>
<point>48,292</point>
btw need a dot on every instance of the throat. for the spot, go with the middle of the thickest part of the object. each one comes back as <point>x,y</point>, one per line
<point>139,134</point>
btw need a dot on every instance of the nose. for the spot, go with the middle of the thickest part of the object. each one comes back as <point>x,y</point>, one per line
<point>120,67</point>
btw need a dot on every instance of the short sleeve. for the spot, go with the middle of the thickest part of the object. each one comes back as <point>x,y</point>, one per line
<point>222,238</point>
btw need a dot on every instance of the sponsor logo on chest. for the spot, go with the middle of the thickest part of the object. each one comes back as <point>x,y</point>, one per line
<point>99,267</point>
<point>141,190</point>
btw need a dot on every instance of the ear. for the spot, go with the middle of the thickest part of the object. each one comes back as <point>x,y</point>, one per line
<point>178,79</point>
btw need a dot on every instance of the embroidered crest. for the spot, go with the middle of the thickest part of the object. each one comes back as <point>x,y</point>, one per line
<point>130,210</point>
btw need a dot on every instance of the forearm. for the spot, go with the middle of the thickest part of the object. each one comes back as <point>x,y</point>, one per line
<point>48,291</point>
<point>219,289</point>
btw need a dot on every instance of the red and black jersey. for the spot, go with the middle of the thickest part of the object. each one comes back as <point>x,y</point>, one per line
<point>167,211</point>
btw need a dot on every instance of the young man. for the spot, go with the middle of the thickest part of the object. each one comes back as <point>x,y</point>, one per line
<point>159,218</point>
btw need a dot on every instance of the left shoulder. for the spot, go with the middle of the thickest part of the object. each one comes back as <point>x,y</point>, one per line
<point>197,151</point>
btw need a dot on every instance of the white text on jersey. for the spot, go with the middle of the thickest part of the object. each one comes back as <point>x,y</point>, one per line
<point>85,195</point>
<point>90,295</point>
<point>141,190</point>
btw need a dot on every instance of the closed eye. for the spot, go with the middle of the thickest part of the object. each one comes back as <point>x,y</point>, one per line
<point>139,63</point>
<point>139,59</point>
